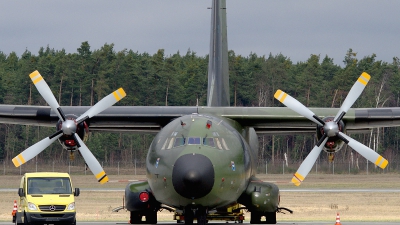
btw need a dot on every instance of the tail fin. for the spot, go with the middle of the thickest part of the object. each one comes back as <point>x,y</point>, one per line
<point>218,74</point>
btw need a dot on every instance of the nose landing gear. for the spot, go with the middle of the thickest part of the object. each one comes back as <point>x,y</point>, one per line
<point>199,213</point>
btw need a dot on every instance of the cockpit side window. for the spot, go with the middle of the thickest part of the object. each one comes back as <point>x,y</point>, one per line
<point>218,143</point>
<point>224,144</point>
<point>164,145</point>
<point>170,143</point>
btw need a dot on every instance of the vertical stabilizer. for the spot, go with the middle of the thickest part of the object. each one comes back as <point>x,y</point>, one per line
<point>218,76</point>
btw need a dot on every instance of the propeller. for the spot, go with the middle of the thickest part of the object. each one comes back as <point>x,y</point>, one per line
<point>331,129</point>
<point>69,127</point>
<point>35,149</point>
<point>91,161</point>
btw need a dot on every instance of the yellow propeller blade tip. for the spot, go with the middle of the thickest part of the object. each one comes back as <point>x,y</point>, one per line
<point>34,74</point>
<point>104,180</point>
<point>295,181</point>
<point>277,93</point>
<point>384,164</point>
<point>366,75</point>
<point>15,161</point>
<point>121,92</point>
<point>280,95</point>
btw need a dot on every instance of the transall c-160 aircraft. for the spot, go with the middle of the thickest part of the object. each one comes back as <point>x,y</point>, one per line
<point>203,158</point>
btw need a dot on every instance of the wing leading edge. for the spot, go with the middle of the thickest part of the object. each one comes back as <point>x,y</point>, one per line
<point>274,120</point>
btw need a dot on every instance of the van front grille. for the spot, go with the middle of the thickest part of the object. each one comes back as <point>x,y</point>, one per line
<point>52,215</point>
<point>51,208</point>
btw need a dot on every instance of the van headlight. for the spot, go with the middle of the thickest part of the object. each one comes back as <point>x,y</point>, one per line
<point>31,206</point>
<point>71,206</point>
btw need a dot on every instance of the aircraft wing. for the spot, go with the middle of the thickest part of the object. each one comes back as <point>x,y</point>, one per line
<point>150,119</point>
<point>142,119</point>
<point>282,120</point>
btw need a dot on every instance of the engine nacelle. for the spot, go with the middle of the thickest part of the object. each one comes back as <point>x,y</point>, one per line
<point>260,196</point>
<point>333,144</point>
<point>67,141</point>
<point>138,197</point>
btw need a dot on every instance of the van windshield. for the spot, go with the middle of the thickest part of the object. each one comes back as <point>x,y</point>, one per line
<point>49,185</point>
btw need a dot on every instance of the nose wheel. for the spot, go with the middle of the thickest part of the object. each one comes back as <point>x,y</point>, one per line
<point>200,214</point>
<point>189,216</point>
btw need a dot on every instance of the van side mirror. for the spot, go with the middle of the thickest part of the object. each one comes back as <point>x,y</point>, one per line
<point>77,192</point>
<point>21,192</point>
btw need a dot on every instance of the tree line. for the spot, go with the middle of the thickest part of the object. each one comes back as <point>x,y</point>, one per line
<point>85,77</point>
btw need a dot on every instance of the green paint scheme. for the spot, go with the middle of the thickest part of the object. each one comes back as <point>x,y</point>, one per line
<point>228,183</point>
<point>220,140</point>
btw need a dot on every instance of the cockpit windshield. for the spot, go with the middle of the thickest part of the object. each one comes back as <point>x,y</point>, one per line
<point>49,185</point>
<point>179,141</point>
<point>193,140</point>
<point>214,142</point>
<point>209,142</point>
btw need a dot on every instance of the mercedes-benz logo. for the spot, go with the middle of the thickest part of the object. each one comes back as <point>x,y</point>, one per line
<point>52,208</point>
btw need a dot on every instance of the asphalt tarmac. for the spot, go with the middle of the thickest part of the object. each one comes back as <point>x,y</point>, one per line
<point>281,223</point>
<point>281,190</point>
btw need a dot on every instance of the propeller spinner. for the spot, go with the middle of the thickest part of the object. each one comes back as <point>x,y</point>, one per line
<point>331,129</point>
<point>69,127</point>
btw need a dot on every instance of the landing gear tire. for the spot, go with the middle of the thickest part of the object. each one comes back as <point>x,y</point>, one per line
<point>136,218</point>
<point>201,217</point>
<point>189,216</point>
<point>270,217</point>
<point>255,218</point>
<point>151,217</point>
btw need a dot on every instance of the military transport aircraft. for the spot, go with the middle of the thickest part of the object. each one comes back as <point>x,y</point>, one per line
<point>203,158</point>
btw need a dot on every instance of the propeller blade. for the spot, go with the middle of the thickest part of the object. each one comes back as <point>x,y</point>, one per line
<point>35,149</point>
<point>308,163</point>
<point>91,161</point>
<point>46,93</point>
<point>368,153</point>
<point>103,104</point>
<point>353,95</point>
<point>296,106</point>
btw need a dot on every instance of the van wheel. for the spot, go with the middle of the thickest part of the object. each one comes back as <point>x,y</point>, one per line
<point>18,219</point>
<point>25,220</point>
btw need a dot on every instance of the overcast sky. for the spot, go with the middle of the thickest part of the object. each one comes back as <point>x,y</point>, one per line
<point>295,28</point>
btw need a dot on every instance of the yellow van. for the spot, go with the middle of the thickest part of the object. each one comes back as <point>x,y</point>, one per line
<point>46,198</point>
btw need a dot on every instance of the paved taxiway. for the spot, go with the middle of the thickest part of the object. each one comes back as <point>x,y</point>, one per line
<point>281,190</point>
<point>281,223</point>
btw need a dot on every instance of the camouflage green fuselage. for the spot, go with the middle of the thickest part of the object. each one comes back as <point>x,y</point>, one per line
<point>220,141</point>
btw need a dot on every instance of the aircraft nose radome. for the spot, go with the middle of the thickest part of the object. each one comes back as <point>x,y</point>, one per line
<point>193,176</point>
